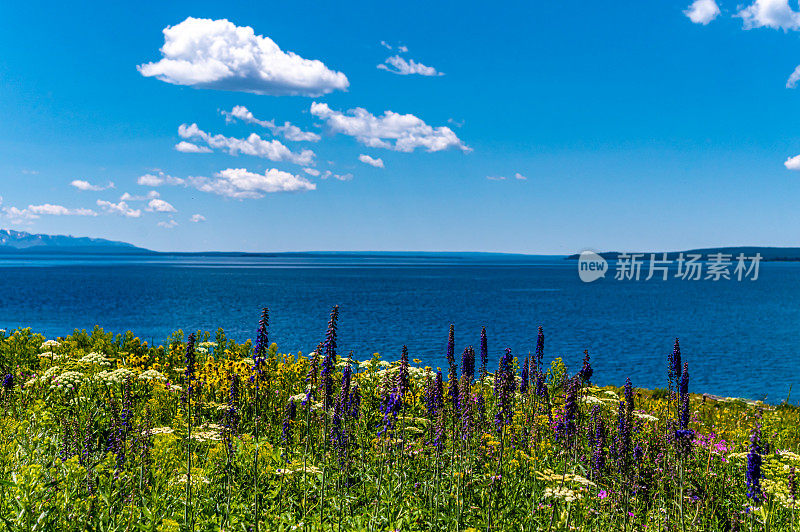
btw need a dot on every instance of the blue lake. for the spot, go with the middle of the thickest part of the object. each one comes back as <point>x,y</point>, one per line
<point>740,338</point>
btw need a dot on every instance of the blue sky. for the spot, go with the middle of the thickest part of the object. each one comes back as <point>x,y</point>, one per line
<point>634,126</point>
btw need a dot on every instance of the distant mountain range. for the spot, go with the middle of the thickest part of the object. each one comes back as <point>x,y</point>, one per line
<point>21,242</point>
<point>767,253</point>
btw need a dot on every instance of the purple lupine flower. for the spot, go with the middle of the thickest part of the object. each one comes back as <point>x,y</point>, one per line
<point>599,438</point>
<point>403,382</point>
<point>326,381</point>
<point>792,483</point>
<point>354,402</point>
<point>452,386</point>
<point>684,436</point>
<point>566,427</point>
<point>468,363</point>
<point>390,407</point>
<point>523,387</point>
<point>541,386</point>
<point>684,393</point>
<point>262,336</point>
<point>330,335</point>
<point>288,419</point>
<point>261,347</point>
<point>434,398</point>
<point>451,345</point>
<point>675,363</point>
<point>190,364</point>
<point>8,382</point>
<point>484,352</point>
<point>539,349</point>
<point>467,418</point>
<point>753,474</point>
<point>586,371</point>
<point>505,384</point>
<point>625,422</point>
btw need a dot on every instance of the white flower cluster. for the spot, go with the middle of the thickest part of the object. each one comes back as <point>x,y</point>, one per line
<point>69,380</point>
<point>645,417</point>
<point>95,359</point>
<point>161,430</point>
<point>49,344</point>
<point>566,494</point>
<point>206,435</point>
<point>118,376</point>
<point>152,375</point>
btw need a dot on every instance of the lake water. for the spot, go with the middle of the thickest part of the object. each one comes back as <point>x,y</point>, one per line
<point>740,338</point>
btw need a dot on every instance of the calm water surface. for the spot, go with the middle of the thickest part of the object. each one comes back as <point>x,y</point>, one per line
<point>740,338</point>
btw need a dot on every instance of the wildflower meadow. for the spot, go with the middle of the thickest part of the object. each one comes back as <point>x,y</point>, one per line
<point>107,433</point>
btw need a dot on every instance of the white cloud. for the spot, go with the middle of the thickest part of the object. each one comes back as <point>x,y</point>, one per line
<point>344,177</point>
<point>59,210</point>
<point>791,83</point>
<point>517,176</point>
<point>398,65</point>
<point>130,197</point>
<point>240,183</point>
<point>197,218</point>
<point>217,54</point>
<point>311,171</point>
<point>33,212</point>
<point>158,179</point>
<point>288,130</point>
<point>80,184</point>
<point>774,14</point>
<point>30,172</point>
<point>188,147</point>
<point>121,208</point>
<point>401,49</point>
<point>169,224</point>
<point>366,159</point>
<point>159,205</point>
<point>702,11</point>
<point>254,145</point>
<point>408,131</point>
<point>792,163</point>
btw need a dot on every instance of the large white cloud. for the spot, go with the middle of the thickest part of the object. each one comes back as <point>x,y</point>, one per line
<point>288,130</point>
<point>776,14</point>
<point>121,208</point>
<point>81,184</point>
<point>407,131</point>
<point>254,145</point>
<point>241,183</point>
<point>217,54</point>
<point>399,65</point>
<point>702,11</point>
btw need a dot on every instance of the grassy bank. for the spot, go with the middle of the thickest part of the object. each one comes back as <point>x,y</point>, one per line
<point>105,432</point>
